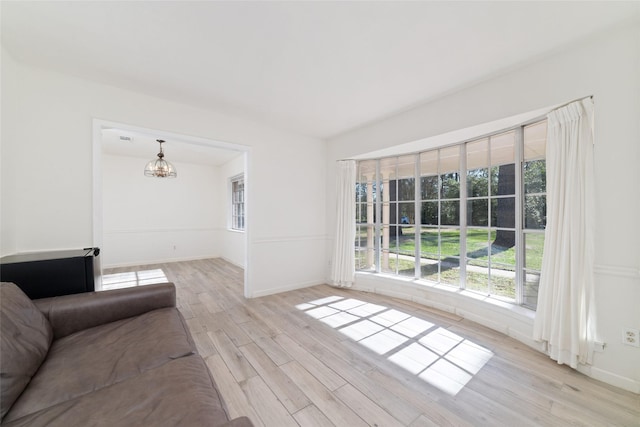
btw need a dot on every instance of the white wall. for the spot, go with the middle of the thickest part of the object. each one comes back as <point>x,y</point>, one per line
<point>286,209</point>
<point>8,185</point>
<point>606,66</point>
<point>149,220</point>
<point>232,247</point>
<point>47,171</point>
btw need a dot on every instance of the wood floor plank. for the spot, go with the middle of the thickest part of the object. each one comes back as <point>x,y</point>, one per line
<point>285,390</point>
<point>185,309</point>
<point>496,385</point>
<point>201,313</point>
<point>290,357</point>
<point>266,343</point>
<point>597,409</point>
<point>204,344</point>
<point>311,416</point>
<point>319,370</point>
<point>477,409</point>
<point>266,404</point>
<point>235,360</point>
<point>423,421</point>
<point>575,417</point>
<point>209,302</point>
<point>284,313</point>
<point>235,400</point>
<point>235,333</point>
<point>368,410</point>
<point>194,325</point>
<point>186,295</point>
<point>273,350</point>
<point>262,325</point>
<point>240,314</point>
<point>333,408</point>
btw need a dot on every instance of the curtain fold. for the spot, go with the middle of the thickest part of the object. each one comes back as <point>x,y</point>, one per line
<point>343,262</point>
<point>565,317</point>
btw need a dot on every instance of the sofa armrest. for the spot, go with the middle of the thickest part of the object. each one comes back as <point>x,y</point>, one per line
<point>71,313</point>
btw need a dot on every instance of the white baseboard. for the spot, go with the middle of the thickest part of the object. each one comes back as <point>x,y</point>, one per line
<point>614,379</point>
<point>286,288</point>
<point>232,262</point>
<point>159,261</point>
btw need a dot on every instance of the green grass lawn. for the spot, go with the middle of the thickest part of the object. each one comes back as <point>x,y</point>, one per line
<point>479,250</point>
<point>478,245</point>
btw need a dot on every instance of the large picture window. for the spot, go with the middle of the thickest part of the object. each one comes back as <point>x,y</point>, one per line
<point>471,215</point>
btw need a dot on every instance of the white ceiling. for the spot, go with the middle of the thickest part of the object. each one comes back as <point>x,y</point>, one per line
<point>316,68</point>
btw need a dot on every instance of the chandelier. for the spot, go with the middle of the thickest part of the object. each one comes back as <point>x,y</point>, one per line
<point>160,168</point>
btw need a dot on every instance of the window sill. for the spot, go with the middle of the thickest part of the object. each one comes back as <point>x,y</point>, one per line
<point>235,231</point>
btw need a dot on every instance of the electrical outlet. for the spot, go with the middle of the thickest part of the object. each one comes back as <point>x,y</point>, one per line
<point>631,337</point>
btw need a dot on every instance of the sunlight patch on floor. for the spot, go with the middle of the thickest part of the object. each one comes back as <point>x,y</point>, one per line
<point>133,278</point>
<point>432,353</point>
<point>362,329</point>
<point>384,341</point>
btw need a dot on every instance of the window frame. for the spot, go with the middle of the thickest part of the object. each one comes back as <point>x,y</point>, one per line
<point>378,182</point>
<point>236,221</point>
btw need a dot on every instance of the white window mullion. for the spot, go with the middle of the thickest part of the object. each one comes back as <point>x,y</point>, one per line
<point>520,277</point>
<point>378,221</point>
<point>463,216</point>
<point>490,192</point>
<point>418,220</point>
<point>439,252</point>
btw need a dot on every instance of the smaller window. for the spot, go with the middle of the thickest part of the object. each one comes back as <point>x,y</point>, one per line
<point>237,202</point>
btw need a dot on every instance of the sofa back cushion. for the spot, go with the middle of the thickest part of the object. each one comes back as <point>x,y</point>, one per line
<point>25,339</point>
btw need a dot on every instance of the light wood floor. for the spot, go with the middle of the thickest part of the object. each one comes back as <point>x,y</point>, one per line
<point>323,356</point>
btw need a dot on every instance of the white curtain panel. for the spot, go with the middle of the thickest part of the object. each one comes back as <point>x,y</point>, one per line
<point>343,262</point>
<point>565,317</point>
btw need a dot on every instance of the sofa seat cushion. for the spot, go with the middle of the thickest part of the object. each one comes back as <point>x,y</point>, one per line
<point>24,342</point>
<point>178,393</point>
<point>98,357</point>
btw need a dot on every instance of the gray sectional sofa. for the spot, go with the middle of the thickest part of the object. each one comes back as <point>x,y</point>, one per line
<point>116,358</point>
